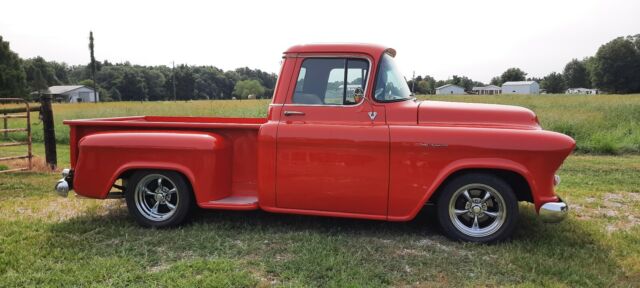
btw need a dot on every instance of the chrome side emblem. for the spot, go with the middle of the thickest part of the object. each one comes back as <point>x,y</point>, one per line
<point>372,115</point>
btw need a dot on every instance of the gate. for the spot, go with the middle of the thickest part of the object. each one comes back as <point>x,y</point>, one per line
<point>16,113</point>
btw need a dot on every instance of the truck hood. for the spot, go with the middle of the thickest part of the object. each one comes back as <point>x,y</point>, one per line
<point>440,113</point>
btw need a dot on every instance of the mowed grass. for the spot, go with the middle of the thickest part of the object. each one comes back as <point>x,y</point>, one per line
<point>50,241</point>
<point>601,124</point>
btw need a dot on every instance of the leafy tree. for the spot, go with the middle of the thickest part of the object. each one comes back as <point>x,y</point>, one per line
<point>496,81</point>
<point>245,88</point>
<point>115,94</point>
<point>576,74</point>
<point>132,86</point>
<point>154,81</point>
<point>185,82</point>
<point>616,66</point>
<point>60,71</point>
<point>39,71</point>
<point>39,83</point>
<point>553,83</point>
<point>513,74</point>
<point>12,75</point>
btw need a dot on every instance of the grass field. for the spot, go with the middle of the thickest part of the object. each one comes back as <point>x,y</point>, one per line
<point>601,124</point>
<point>50,241</point>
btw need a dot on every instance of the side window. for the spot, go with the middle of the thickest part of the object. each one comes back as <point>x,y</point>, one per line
<point>300,82</point>
<point>331,81</point>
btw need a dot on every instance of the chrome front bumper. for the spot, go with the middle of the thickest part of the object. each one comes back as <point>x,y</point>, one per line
<point>63,185</point>
<point>554,212</point>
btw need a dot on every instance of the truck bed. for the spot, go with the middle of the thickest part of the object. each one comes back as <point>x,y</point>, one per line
<point>242,133</point>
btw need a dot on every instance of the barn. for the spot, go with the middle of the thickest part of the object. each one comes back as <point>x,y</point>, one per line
<point>449,89</point>
<point>521,87</point>
<point>586,91</point>
<point>73,93</point>
<point>487,90</point>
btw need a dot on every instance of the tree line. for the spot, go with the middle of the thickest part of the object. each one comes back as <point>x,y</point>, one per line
<point>615,68</point>
<point>127,82</point>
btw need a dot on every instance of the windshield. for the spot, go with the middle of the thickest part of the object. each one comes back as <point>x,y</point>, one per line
<point>390,85</point>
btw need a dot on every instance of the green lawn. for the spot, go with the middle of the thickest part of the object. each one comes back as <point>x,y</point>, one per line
<point>50,241</point>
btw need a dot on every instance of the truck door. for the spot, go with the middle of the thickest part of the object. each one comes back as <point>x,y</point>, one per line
<point>332,145</point>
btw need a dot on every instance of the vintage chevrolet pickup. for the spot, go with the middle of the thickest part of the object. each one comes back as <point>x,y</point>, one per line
<point>344,137</point>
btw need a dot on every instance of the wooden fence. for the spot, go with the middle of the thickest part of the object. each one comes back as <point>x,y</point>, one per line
<point>23,111</point>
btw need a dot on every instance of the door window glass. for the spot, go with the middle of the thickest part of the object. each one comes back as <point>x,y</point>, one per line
<point>331,81</point>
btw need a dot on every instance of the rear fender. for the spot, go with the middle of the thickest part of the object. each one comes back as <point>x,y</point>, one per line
<point>203,158</point>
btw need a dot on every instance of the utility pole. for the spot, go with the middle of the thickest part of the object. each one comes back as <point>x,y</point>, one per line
<point>173,77</point>
<point>413,83</point>
<point>93,68</point>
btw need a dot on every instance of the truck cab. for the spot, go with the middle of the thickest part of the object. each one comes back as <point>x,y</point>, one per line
<point>344,137</point>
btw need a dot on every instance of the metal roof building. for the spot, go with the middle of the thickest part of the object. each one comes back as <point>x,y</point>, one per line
<point>73,93</point>
<point>521,87</point>
<point>487,90</point>
<point>449,89</point>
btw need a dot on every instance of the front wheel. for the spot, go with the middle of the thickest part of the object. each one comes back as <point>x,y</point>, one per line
<point>157,198</point>
<point>478,208</point>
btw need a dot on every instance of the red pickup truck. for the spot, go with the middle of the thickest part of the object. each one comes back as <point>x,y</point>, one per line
<point>344,137</point>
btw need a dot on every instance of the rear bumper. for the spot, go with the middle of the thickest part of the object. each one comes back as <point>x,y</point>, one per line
<point>64,185</point>
<point>554,212</point>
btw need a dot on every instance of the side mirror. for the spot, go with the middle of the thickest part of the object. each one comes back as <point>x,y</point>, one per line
<point>358,95</point>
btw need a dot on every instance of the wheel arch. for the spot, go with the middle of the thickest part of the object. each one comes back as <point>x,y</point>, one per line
<point>517,181</point>
<point>512,172</point>
<point>125,172</point>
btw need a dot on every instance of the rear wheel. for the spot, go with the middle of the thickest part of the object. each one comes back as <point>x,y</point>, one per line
<point>157,198</point>
<point>478,208</point>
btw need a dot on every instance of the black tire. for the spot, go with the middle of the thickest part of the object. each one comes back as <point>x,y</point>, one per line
<point>141,204</point>
<point>462,218</point>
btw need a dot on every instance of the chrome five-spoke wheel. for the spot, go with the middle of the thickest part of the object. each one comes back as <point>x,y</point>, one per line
<point>477,210</point>
<point>158,198</point>
<point>477,207</point>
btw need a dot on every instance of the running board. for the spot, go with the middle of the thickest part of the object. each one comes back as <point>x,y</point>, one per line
<point>232,203</point>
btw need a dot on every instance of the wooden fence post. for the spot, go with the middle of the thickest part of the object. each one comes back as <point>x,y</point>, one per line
<point>46,114</point>
<point>6,126</point>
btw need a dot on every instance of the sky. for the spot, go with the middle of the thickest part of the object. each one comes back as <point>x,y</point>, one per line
<point>477,39</point>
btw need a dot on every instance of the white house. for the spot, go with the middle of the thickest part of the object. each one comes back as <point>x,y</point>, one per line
<point>581,91</point>
<point>73,93</point>
<point>487,90</point>
<point>521,87</point>
<point>449,89</point>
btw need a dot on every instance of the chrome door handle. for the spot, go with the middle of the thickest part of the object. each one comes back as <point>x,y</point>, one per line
<point>293,113</point>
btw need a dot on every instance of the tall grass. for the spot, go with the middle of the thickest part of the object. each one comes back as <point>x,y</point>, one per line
<point>601,124</point>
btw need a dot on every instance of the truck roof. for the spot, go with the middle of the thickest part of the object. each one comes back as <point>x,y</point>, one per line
<point>371,49</point>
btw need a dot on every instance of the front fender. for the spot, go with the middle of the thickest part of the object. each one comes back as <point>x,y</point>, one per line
<point>423,157</point>
<point>464,164</point>
<point>203,158</point>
